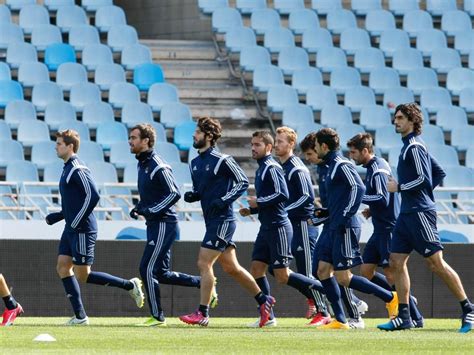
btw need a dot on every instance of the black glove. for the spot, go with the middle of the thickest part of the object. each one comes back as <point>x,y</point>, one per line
<point>53,218</point>
<point>134,213</point>
<point>143,211</point>
<point>321,212</point>
<point>191,196</point>
<point>216,206</point>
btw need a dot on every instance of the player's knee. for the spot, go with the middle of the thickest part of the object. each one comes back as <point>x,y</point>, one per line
<point>396,264</point>
<point>281,278</point>
<point>203,265</point>
<point>343,278</point>
<point>367,272</point>
<point>2,279</point>
<point>436,265</point>
<point>230,268</point>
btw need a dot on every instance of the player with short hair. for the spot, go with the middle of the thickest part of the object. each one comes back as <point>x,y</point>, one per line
<point>340,253</point>
<point>217,182</point>
<point>158,192</point>
<point>384,208</point>
<point>79,196</point>
<point>272,246</point>
<point>12,308</point>
<point>415,229</point>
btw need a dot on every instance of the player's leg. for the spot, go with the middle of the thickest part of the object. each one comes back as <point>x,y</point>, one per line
<point>12,308</point>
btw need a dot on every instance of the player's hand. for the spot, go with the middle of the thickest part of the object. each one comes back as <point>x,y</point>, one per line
<point>366,213</point>
<point>142,211</point>
<point>321,212</point>
<point>392,184</point>
<point>191,196</point>
<point>134,213</point>
<point>244,212</point>
<point>252,201</point>
<point>48,220</point>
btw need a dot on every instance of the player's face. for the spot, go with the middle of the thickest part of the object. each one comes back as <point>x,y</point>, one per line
<point>136,143</point>
<point>311,156</point>
<point>63,150</point>
<point>199,139</point>
<point>402,124</point>
<point>259,148</point>
<point>321,150</point>
<point>282,146</point>
<point>356,155</point>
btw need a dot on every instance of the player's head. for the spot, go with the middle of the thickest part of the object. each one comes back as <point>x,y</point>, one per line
<point>327,140</point>
<point>262,144</point>
<point>67,143</point>
<point>307,147</point>
<point>408,118</point>
<point>207,133</point>
<point>141,138</point>
<point>285,141</point>
<point>361,148</point>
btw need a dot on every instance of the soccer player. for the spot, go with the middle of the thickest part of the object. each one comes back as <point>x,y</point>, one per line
<point>273,243</point>
<point>384,207</point>
<point>354,306</point>
<point>217,182</point>
<point>79,196</point>
<point>300,208</point>
<point>415,228</point>
<point>12,308</point>
<point>158,194</point>
<point>340,253</point>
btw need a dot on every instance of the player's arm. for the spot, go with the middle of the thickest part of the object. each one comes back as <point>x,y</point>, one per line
<point>276,187</point>
<point>54,217</point>
<point>381,197</point>
<point>83,179</point>
<point>163,177</point>
<point>300,180</point>
<point>416,159</point>
<point>241,182</point>
<point>437,173</point>
<point>357,190</point>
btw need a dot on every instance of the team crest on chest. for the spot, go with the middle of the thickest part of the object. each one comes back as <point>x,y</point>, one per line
<point>146,170</point>
<point>207,167</point>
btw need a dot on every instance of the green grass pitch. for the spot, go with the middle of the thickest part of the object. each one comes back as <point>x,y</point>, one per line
<point>229,335</point>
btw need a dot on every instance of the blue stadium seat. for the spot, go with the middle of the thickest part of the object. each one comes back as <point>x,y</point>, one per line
<point>420,79</point>
<point>121,36</point>
<point>57,113</point>
<point>96,113</point>
<point>378,21</point>
<point>336,116</point>
<point>455,21</point>
<point>108,16</point>
<point>280,96</point>
<point>160,131</point>
<point>5,14</point>
<point>173,113</point>
<point>161,93</point>
<point>19,111</point>
<point>82,94</point>
<point>225,18</point>
<point>83,35</point>
<point>278,38</point>
<point>21,52</point>
<point>21,171</point>
<point>319,96</point>
<point>130,173</point>
<point>445,155</point>
<point>344,78</point>
<point>362,7</point>
<point>107,74</point>
<point>168,151</point>
<point>367,59</point>
<point>386,139</point>
<point>449,117</point>
<point>339,20</point>
<point>438,7</point>
<point>297,115</point>
<point>315,38</point>
<point>5,73</point>
<point>291,59</point>
<point>397,96</point>
<point>32,131</point>
<point>209,6</point>
<point>263,20</point>
<point>322,7</point>
<point>5,131</point>
<point>120,93</point>
<point>10,90</point>
<point>458,79</point>
<point>120,155</point>
<point>470,63</point>
<point>91,151</point>
<point>445,59</point>
<point>432,135</point>
<point>31,16</point>
<point>94,55</point>
<point>247,7</point>
<point>147,74</point>
<point>392,40</point>
<point>461,137</point>
<point>434,99</point>
<point>53,5</point>
<point>466,99</point>
<point>10,33</point>
<point>103,173</point>
<point>285,7</point>
<point>111,132</point>
<point>304,129</point>
<point>303,79</point>
<point>79,127</point>
<point>301,20</point>
<point>10,151</point>
<point>469,7</point>
<point>429,40</point>
<point>183,135</point>
<point>238,38</point>
<point>415,21</point>
<point>136,112</point>
<point>44,35</point>
<point>182,174</point>
<point>459,176</point>
<point>45,93</point>
<point>251,57</point>
<point>372,117</point>
<point>43,153</point>
<point>329,58</point>
<point>346,132</point>
<point>353,39</point>
<point>70,16</point>
<point>32,73</point>
<point>57,54</point>
<point>134,55</point>
<point>266,76</point>
<point>401,7</point>
<point>358,97</point>
<point>70,74</point>
<point>94,5</point>
<point>470,157</point>
<point>405,60</point>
